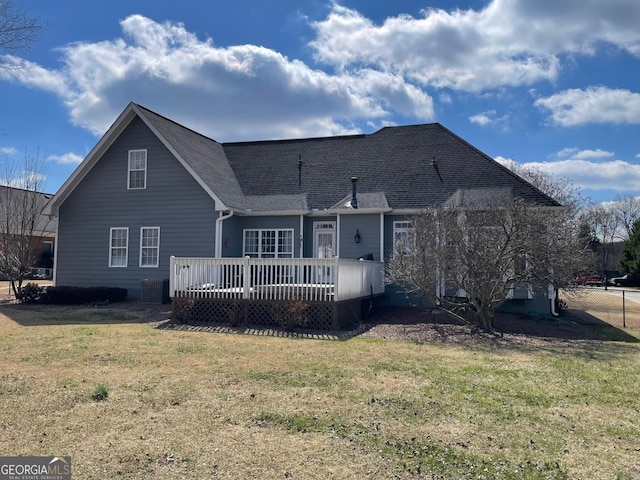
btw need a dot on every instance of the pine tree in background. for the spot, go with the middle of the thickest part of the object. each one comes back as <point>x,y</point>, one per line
<point>630,262</point>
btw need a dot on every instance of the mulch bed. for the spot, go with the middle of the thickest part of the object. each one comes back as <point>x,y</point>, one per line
<point>406,324</point>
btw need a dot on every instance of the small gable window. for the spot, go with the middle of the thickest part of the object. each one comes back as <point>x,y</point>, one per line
<point>137,178</point>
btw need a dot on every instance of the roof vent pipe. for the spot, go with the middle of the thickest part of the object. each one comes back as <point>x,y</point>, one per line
<point>354,198</point>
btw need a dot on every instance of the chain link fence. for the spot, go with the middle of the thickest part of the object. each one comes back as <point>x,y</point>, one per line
<point>616,306</point>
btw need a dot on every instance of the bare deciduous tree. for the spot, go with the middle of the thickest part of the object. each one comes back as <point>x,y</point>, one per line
<point>468,258</point>
<point>18,31</point>
<point>21,219</point>
<point>627,211</point>
<point>605,226</point>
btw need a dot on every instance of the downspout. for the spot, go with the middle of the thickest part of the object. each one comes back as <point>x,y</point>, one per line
<point>337,253</point>
<point>219,220</point>
<point>381,236</point>
<point>552,294</point>
<point>55,259</point>
<point>301,236</point>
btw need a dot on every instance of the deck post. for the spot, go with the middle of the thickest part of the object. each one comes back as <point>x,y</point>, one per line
<point>172,276</point>
<point>336,276</point>
<point>246,279</point>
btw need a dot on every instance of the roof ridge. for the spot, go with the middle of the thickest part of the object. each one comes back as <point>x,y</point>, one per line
<point>176,123</point>
<point>505,169</point>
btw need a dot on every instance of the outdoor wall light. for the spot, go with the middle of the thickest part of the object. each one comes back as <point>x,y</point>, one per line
<point>357,237</point>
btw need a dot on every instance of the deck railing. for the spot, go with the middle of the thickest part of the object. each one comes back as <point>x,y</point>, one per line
<point>312,279</point>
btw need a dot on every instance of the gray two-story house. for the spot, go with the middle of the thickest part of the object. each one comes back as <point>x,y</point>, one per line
<point>152,189</point>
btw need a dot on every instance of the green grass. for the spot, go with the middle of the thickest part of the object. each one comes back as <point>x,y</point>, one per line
<point>201,405</point>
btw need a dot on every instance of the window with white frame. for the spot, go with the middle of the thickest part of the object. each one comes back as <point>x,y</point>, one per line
<point>273,243</point>
<point>118,246</point>
<point>403,239</point>
<point>149,246</point>
<point>137,175</point>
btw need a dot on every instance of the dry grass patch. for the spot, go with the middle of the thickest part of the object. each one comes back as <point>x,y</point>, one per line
<point>201,405</point>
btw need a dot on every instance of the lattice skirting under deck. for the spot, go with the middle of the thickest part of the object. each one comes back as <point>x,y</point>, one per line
<point>285,314</point>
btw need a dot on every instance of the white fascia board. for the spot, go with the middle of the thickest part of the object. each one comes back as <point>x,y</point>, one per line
<point>220,206</point>
<point>350,211</point>
<point>52,207</point>
<point>276,213</point>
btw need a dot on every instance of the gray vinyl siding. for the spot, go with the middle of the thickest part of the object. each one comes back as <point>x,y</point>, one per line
<point>368,226</point>
<point>172,200</point>
<point>232,237</point>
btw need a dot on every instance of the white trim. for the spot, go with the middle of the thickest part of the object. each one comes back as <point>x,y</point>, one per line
<point>301,251</point>
<point>219,203</point>
<point>91,159</point>
<point>55,260</point>
<point>157,248</point>
<point>217,248</point>
<point>401,226</point>
<point>124,119</point>
<point>126,247</point>
<point>276,253</point>
<point>325,227</point>
<point>131,170</point>
<point>381,237</point>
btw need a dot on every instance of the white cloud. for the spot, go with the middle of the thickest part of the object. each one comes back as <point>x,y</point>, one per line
<point>489,118</point>
<point>507,43</point>
<point>594,105</point>
<point>7,150</point>
<point>233,93</point>
<point>609,175</point>
<point>66,159</point>
<point>34,76</point>
<point>575,153</point>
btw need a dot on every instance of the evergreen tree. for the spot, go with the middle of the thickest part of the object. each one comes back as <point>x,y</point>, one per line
<point>630,262</point>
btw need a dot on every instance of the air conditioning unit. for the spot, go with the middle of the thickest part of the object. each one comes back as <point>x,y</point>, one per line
<point>155,291</point>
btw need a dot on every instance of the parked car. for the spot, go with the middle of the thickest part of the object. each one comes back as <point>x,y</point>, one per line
<point>620,281</point>
<point>593,280</point>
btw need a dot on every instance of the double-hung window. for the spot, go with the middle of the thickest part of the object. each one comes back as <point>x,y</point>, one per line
<point>137,173</point>
<point>403,238</point>
<point>118,246</point>
<point>149,246</point>
<point>276,243</point>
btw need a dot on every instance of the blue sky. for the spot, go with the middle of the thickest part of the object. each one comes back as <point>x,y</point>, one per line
<point>551,83</point>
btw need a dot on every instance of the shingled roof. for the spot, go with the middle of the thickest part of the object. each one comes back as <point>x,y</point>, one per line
<point>415,166</point>
<point>403,168</point>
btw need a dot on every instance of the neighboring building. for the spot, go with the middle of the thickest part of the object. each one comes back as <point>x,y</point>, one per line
<point>17,208</point>
<point>151,189</point>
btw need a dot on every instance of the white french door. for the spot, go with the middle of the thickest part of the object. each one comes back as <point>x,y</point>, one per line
<point>324,243</point>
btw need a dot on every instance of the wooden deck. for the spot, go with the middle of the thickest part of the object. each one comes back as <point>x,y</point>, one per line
<point>322,294</point>
<point>311,279</point>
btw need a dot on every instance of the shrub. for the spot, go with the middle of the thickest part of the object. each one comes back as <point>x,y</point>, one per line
<point>290,314</point>
<point>100,393</point>
<point>66,295</point>
<point>31,294</point>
